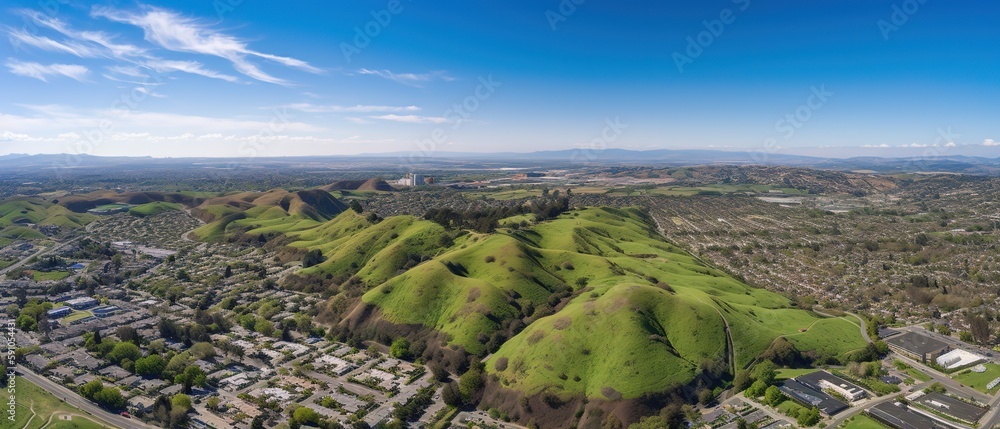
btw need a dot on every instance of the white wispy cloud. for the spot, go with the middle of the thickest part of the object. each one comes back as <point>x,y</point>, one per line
<point>193,67</point>
<point>20,38</point>
<point>146,91</point>
<point>412,79</point>
<point>93,43</point>
<point>412,119</point>
<point>313,108</point>
<point>990,142</point>
<point>62,119</point>
<point>43,71</point>
<point>8,136</point>
<point>172,31</point>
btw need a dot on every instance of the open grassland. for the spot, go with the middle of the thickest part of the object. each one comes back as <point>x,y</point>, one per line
<point>31,399</point>
<point>40,212</point>
<point>611,309</point>
<point>786,373</point>
<point>979,381</point>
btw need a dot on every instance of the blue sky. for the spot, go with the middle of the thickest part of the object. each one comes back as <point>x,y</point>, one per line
<point>253,78</point>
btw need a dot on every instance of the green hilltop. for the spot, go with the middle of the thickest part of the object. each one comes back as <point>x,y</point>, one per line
<point>593,303</point>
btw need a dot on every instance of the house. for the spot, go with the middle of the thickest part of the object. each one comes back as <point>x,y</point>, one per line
<point>235,382</point>
<point>58,313</point>
<point>82,303</point>
<point>140,404</point>
<point>105,310</point>
<point>919,347</point>
<point>114,372</point>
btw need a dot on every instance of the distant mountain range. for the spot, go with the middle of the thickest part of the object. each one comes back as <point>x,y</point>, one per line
<point>937,161</point>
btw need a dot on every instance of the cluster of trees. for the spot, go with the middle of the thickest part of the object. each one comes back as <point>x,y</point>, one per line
<point>412,409</point>
<point>107,397</point>
<point>980,329</point>
<point>312,258</point>
<point>90,249</point>
<point>172,411</point>
<point>487,220</point>
<point>205,324</point>
<point>300,416</point>
<point>33,317</point>
<point>468,390</point>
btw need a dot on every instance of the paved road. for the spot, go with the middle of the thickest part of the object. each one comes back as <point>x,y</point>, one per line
<point>40,253</point>
<point>992,418</point>
<point>86,406</point>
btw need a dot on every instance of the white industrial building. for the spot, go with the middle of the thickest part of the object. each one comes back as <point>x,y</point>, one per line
<point>959,358</point>
<point>412,179</point>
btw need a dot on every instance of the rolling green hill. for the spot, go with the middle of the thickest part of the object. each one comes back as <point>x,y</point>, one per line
<point>276,211</point>
<point>593,303</point>
<point>153,209</point>
<point>41,212</point>
<point>638,314</point>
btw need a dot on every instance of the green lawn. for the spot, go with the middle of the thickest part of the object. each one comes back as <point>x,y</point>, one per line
<point>862,421</point>
<point>75,423</point>
<point>41,276</point>
<point>918,374</point>
<point>979,381</point>
<point>77,315</point>
<point>30,398</point>
<point>785,373</point>
<point>790,408</point>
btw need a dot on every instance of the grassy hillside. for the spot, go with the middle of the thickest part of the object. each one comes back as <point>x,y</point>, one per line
<point>256,213</point>
<point>609,305</point>
<point>153,209</point>
<point>593,303</point>
<point>41,212</point>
